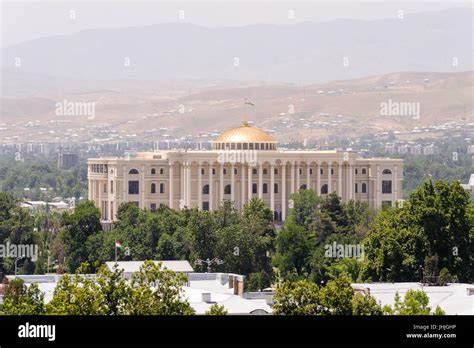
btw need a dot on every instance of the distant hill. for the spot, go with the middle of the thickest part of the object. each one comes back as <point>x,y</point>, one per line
<point>302,53</point>
<point>337,108</point>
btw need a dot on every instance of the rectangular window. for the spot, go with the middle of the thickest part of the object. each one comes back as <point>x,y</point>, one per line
<point>153,207</point>
<point>133,187</point>
<point>111,187</point>
<point>205,206</point>
<point>387,186</point>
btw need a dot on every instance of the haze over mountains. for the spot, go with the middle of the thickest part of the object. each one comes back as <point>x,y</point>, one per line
<point>298,53</point>
<point>183,79</point>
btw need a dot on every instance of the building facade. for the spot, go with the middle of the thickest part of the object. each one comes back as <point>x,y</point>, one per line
<point>244,163</point>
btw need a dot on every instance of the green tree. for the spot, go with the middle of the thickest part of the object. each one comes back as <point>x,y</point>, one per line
<point>365,305</point>
<point>22,300</point>
<point>414,303</point>
<point>297,298</point>
<point>157,291</point>
<point>393,250</point>
<point>257,281</point>
<point>215,309</point>
<point>305,204</point>
<point>293,249</point>
<point>336,297</point>
<point>82,223</point>
<point>77,294</point>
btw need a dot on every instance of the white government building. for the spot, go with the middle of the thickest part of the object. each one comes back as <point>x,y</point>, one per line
<point>245,162</point>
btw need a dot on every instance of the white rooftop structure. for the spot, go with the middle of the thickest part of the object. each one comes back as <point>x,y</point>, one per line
<point>470,185</point>
<point>179,266</point>
<point>453,298</point>
<point>202,291</point>
<point>35,205</point>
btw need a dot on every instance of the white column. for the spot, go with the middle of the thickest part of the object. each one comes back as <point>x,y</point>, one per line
<point>272,189</point>
<point>283,191</point>
<point>298,176</point>
<point>124,185</point>
<point>189,189</point>
<point>183,182</point>
<point>221,183</point>
<point>318,186</point>
<point>260,181</point>
<point>171,186</point>
<point>250,182</point>
<point>308,176</point>
<point>351,181</point>
<point>339,179</point>
<point>292,178</point>
<point>211,189</point>
<point>100,199</point>
<point>232,184</point>
<point>143,188</point>
<point>329,179</point>
<point>242,185</point>
<point>395,185</point>
<point>379,187</point>
<point>199,188</point>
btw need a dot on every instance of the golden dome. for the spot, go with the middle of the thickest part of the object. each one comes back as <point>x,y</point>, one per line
<point>245,134</point>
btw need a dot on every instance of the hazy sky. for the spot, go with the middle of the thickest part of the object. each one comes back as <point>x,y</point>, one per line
<point>23,21</point>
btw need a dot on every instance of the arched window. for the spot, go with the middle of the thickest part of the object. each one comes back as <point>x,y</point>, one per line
<point>275,188</point>
<point>162,188</point>
<point>356,188</point>
<point>265,188</point>
<point>364,171</point>
<point>225,171</point>
<point>303,187</point>
<point>265,171</point>
<point>387,171</point>
<point>153,188</point>
<point>227,190</point>
<point>332,171</point>
<point>205,190</point>
<point>356,171</point>
<point>364,187</point>
<point>254,188</point>
<point>153,171</point>
<point>203,171</point>
<point>235,171</point>
<point>324,189</point>
<point>162,171</point>
<point>321,171</point>
<point>133,171</point>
